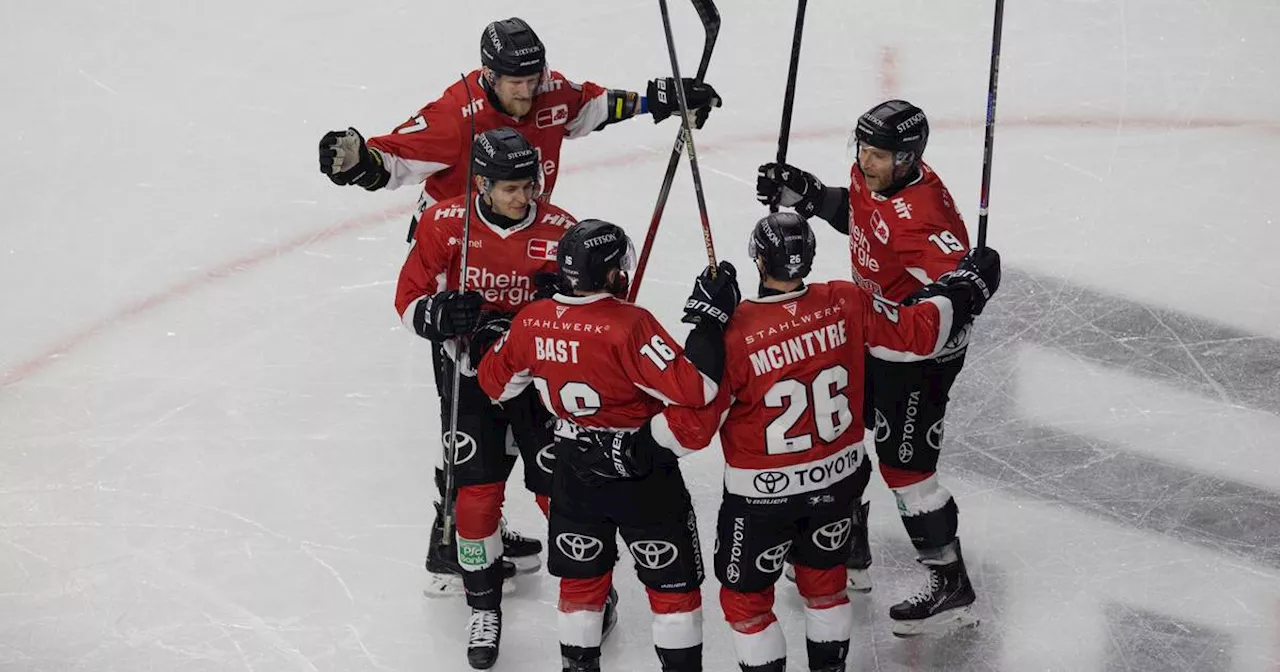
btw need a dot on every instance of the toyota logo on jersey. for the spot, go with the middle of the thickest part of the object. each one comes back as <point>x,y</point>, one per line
<point>579,547</point>
<point>771,482</point>
<point>654,554</point>
<point>832,536</point>
<point>541,248</point>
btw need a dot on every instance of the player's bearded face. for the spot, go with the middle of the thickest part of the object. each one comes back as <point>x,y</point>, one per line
<point>516,93</point>
<point>878,167</point>
<point>511,198</point>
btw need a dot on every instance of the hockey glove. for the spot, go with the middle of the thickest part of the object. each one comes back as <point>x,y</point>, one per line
<point>345,159</point>
<point>660,96</point>
<point>491,327</point>
<point>599,456</point>
<point>546,285</point>
<point>788,186</point>
<point>969,287</point>
<point>447,314</point>
<point>713,300</point>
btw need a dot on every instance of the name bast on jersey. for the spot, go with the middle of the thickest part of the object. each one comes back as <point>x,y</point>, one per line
<point>500,265</point>
<point>903,242</point>
<point>789,406</point>
<point>435,144</point>
<point>597,361</point>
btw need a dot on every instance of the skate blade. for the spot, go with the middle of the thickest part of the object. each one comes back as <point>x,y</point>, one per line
<point>450,585</point>
<point>525,564</point>
<point>859,581</point>
<point>946,622</point>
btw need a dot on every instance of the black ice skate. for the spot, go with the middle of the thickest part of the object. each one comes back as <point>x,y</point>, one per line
<point>519,549</point>
<point>610,614</point>
<point>860,556</point>
<point>944,604</point>
<point>444,574</point>
<point>484,631</point>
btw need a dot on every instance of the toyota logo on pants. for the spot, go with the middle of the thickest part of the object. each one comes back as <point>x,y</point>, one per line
<point>771,482</point>
<point>882,428</point>
<point>832,536</point>
<point>934,437</point>
<point>732,573</point>
<point>770,561</point>
<point>464,446</point>
<point>545,459</point>
<point>579,547</point>
<point>654,555</point>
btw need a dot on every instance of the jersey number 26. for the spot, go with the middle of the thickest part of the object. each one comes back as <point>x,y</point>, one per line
<point>830,407</point>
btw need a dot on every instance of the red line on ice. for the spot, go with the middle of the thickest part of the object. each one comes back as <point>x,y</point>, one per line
<point>66,345</point>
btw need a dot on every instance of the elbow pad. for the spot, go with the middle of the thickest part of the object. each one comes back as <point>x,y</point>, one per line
<point>620,105</point>
<point>835,208</point>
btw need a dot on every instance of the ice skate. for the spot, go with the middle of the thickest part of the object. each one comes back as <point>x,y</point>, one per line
<point>943,605</point>
<point>484,632</point>
<point>520,550</point>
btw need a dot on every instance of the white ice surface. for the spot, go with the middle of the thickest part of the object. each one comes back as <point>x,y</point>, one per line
<point>216,437</point>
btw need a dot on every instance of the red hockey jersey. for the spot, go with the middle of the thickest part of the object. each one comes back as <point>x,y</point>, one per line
<point>903,242</point>
<point>435,144</point>
<point>597,361</point>
<point>789,408</point>
<point>500,266</point>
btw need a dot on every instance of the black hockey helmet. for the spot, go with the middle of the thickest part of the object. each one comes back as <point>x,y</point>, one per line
<point>895,125</point>
<point>783,246</point>
<point>504,154</point>
<point>588,251</point>
<point>510,47</point>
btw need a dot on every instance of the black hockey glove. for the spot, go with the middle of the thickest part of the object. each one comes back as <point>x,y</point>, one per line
<point>600,456</point>
<point>660,96</point>
<point>713,300</point>
<point>491,327</point>
<point>969,287</point>
<point>788,186</point>
<point>345,159</point>
<point>546,285</point>
<point>447,314</point>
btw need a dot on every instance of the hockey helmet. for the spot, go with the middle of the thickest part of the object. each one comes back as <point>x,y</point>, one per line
<point>510,47</point>
<point>504,154</point>
<point>894,125</point>
<point>783,245</point>
<point>589,250</point>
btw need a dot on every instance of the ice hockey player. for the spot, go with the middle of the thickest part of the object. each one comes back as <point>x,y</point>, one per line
<point>513,238</point>
<point>904,232</point>
<point>787,418</point>
<point>604,367</point>
<point>513,87</point>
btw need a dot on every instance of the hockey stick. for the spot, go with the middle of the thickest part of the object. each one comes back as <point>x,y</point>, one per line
<point>990,139</point>
<point>789,99</point>
<point>451,449</point>
<point>710,17</point>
